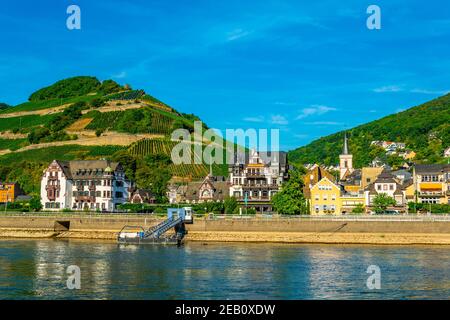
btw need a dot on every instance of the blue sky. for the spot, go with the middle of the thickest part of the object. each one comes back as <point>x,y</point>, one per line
<point>308,68</point>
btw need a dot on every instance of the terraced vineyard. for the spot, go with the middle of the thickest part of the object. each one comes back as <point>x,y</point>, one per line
<point>102,120</point>
<point>159,146</point>
<point>127,95</point>
<point>151,146</point>
<point>131,121</point>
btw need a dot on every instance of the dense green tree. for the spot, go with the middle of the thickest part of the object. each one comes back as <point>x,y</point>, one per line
<point>290,199</point>
<point>35,203</point>
<point>109,86</point>
<point>128,162</point>
<point>382,201</point>
<point>153,173</point>
<point>230,205</point>
<point>71,87</point>
<point>4,106</point>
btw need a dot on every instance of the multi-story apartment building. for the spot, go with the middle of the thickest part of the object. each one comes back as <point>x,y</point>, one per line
<point>314,174</point>
<point>330,198</point>
<point>84,185</point>
<point>257,179</point>
<point>325,198</point>
<point>432,183</point>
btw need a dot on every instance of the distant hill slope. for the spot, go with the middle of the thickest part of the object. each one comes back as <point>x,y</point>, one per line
<point>84,118</point>
<point>425,129</point>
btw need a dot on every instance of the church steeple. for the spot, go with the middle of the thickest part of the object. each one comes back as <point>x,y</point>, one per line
<point>345,149</point>
<point>345,160</point>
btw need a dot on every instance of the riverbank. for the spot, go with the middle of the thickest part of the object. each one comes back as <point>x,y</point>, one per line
<point>395,231</point>
<point>251,237</point>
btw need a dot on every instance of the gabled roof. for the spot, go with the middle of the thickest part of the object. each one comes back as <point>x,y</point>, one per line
<point>431,168</point>
<point>87,169</point>
<point>268,157</point>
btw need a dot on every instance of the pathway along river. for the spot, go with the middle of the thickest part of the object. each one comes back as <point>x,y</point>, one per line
<point>36,269</point>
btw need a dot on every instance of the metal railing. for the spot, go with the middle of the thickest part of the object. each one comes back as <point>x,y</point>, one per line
<point>211,216</point>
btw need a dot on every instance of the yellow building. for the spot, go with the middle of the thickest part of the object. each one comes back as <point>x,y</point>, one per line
<point>431,183</point>
<point>325,198</point>
<point>349,201</point>
<point>8,192</point>
<point>314,175</point>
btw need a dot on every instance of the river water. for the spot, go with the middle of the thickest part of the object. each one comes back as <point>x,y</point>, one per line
<point>37,269</point>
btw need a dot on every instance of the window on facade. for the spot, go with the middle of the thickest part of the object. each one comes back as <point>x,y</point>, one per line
<point>385,187</point>
<point>391,187</point>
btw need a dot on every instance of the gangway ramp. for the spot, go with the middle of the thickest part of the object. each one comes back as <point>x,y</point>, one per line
<point>157,234</point>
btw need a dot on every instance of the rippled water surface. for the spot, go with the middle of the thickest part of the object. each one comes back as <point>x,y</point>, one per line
<point>36,269</point>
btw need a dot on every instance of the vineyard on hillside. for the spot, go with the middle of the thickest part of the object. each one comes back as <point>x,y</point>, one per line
<point>143,120</point>
<point>157,146</point>
<point>126,95</point>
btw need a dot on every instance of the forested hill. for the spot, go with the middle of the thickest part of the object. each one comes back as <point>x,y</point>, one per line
<point>425,129</point>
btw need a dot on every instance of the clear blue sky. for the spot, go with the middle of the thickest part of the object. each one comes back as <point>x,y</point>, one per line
<point>309,68</point>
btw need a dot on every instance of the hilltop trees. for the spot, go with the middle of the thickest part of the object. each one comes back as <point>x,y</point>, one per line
<point>71,87</point>
<point>75,87</point>
<point>290,200</point>
<point>4,106</point>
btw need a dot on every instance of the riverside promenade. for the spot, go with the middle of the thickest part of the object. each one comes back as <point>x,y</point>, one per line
<point>398,230</point>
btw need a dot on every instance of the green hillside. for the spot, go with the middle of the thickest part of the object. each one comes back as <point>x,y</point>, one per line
<point>425,129</point>
<point>84,118</point>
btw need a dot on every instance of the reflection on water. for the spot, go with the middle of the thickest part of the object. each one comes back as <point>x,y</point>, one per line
<point>36,269</point>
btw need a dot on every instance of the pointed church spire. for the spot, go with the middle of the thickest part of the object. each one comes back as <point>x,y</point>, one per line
<point>345,149</point>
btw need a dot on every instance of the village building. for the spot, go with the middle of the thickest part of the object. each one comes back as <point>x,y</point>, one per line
<point>9,192</point>
<point>210,189</point>
<point>142,196</point>
<point>325,198</point>
<point>84,185</point>
<point>257,178</point>
<point>314,174</point>
<point>387,184</point>
<point>432,183</point>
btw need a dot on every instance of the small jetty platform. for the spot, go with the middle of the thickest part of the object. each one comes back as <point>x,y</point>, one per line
<point>176,219</point>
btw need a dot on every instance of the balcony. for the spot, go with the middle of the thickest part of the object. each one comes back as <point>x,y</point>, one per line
<point>85,198</point>
<point>254,199</point>
<point>260,187</point>
<point>431,193</point>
